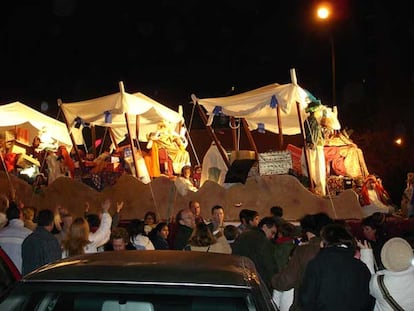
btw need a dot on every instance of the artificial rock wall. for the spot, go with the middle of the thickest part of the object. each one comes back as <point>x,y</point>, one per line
<point>259,193</point>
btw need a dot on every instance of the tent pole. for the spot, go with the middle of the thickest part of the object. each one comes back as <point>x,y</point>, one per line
<point>137,119</point>
<point>234,134</point>
<point>93,132</point>
<point>279,125</point>
<point>250,138</point>
<point>81,164</point>
<point>134,158</point>
<point>305,149</point>
<point>111,133</point>
<point>213,135</point>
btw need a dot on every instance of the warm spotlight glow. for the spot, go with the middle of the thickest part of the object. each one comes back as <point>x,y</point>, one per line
<point>399,141</point>
<point>324,11</point>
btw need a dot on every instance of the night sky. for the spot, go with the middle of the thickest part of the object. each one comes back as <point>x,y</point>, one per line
<point>76,50</point>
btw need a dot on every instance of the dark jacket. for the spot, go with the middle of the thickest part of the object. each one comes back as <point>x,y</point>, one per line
<point>255,245</point>
<point>39,248</point>
<point>335,280</point>
<point>159,242</point>
<point>292,275</point>
<point>182,236</point>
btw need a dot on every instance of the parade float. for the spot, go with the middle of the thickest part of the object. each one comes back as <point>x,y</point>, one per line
<point>147,149</point>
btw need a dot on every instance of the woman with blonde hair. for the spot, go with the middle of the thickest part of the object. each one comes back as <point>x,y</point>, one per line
<point>77,239</point>
<point>81,240</point>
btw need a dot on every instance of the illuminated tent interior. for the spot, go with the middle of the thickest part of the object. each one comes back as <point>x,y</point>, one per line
<point>110,110</point>
<point>19,116</point>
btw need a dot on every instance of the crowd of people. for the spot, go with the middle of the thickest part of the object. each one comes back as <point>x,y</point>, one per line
<point>315,264</point>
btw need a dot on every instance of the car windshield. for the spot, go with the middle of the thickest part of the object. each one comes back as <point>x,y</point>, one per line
<point>110,298</point>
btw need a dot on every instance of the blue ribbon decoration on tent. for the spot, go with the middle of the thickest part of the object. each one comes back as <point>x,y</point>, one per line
<point>273,102</point>
<point>78,122</point>
<point>108,116</point>
<point>261,128</point>
<point>217,110</point>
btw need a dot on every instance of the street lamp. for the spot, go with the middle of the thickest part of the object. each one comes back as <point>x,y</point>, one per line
<point>324,13</point>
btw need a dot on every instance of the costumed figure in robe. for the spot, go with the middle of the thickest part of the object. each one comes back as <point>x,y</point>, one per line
<point>314,145</point>
<point>374,198</point>
<point>173,143</point>
<point>342,155</point>
<point>407,201</point>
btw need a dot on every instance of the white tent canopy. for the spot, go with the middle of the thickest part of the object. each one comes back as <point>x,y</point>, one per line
<point>258,106</point>
<point>93,112</point>
<point>19,115</point>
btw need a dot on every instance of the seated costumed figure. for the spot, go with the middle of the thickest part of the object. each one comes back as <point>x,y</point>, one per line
<point>173,143</point>
<point>374,198</point>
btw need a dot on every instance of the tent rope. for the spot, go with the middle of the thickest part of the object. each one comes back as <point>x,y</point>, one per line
<point>170,205</point>
<point>332,203</point>
<point>191,119</point>
<point>192,146</point>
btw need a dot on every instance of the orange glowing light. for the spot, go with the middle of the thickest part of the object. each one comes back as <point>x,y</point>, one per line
<point>399,141</point>
<point>324,11</point>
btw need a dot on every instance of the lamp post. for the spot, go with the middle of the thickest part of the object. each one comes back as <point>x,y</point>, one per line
<point>324,13</point>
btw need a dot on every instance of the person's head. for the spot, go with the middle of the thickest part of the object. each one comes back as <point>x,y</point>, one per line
<point>268,225</point>
<point>337,235</point>
<point>77,238</point>
<point>195,208</point>
<point>217,215</point>
<point>197,170</point>
<point>242,216</point>
<point>397,255</point>
<point>28,213</point>
<point>79,230</point>
<point>202,236</point>
<point>286,229</point>
<point>370,182</point>
<point>276,211</point>
<point>185,217</point>
<point>4,203</point>
<point>36,142</point>
<point>231,232</point>
<point>13,212</point>
<point>93,220</point>
<point>373,226</point>
<point>119,238</point>
<point>162,230</point>
<point>45,219</point>
<point>314,223</point>
<point>150,218</point>
<point>136,227</point>
<point>252,218</point>
<point>186,171</point>
<point>67,221</point>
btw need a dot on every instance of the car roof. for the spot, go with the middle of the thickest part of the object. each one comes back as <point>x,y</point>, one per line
<point>151,267</point>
